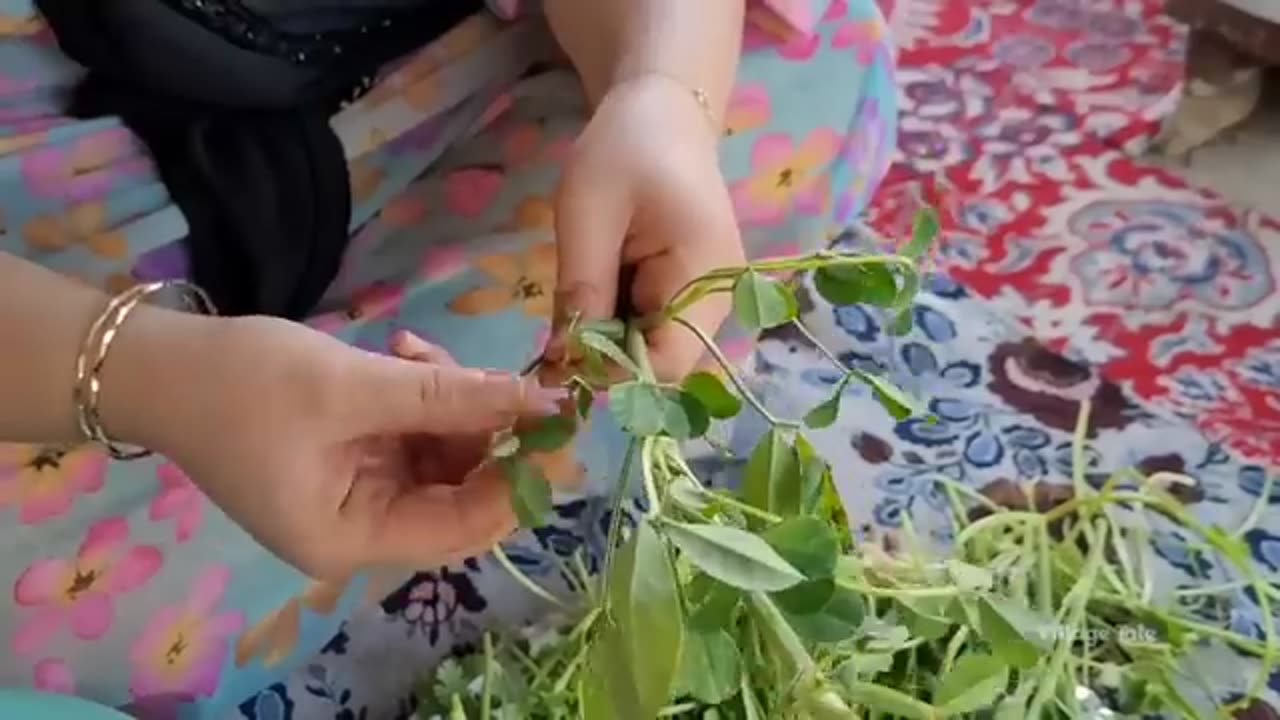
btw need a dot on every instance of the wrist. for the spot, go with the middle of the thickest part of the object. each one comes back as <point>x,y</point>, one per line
<point>668,93</point>
<point>152,372</point>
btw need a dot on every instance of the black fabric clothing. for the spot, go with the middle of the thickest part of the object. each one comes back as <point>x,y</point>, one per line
<point>235,112</point>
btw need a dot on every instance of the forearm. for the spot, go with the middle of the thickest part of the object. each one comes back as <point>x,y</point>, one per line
<point>44,319</point>
<point>694,41</point>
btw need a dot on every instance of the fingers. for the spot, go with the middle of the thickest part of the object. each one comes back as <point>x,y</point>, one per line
<point>408,346</point>
<point>436,524</point>
<point>591,220</point>
<point>673,349</point>
<point>394,395</point>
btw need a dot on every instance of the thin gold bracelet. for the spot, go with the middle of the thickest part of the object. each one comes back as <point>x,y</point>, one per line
<point>700,96</point>
<point>93,353</point>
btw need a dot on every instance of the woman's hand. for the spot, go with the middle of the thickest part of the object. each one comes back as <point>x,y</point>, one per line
<point>643,188</point>
<point>338,459</point>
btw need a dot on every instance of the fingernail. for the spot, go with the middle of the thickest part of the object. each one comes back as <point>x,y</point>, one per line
<point>547,399</point>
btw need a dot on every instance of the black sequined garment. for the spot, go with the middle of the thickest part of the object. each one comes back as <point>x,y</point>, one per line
<point>233,99</point>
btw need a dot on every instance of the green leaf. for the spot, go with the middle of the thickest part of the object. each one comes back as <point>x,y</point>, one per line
<point>709,667</point>
<point>807,543</point>
<point>818,494</point>
<point>1006,639</point>
<point>924,230</point>
<point>808,597</point>
<point>697,419</point>
<point>824,415</point>
<point>865,665</point>
<point>871,284</point>
<point>644,602</point>
<point>838,621</point>
<point>606,690</point>
<point>639,407</point>
<point>976,681</point>
<point>887,701</point>
<point>969,578</point>
<point>584,398</point>
<point>547,434</point>
<point>610,349</point>
<point>760,302</point>
<point>646,409</point>
<point>901,323</point>
<point>920,619</point>
<point>714,396</point>
<point>773,480</point>
<point>711,603</point>
<point>530,492</point>
<point>890,396</point>
<point>733,556</point>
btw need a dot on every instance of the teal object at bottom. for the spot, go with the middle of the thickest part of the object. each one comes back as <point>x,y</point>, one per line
<point>28,705</point>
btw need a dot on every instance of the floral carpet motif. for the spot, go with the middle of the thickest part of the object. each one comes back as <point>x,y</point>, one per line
<point>1017,117</point>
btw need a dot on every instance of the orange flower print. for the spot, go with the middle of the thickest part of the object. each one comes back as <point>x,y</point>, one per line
<point>786,176</point>
<point>85,223</point>
<point>274,637</point>
<point>404,210</point>
<point>525,279</point>
<point>42,481</point>
<point>748,109</point>
<point>533,213</point>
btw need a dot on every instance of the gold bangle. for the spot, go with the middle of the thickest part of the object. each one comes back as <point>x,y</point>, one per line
<point>93,353</point>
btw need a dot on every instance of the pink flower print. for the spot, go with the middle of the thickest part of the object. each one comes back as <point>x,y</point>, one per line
<point>785,175</point>
<point>442,262</point>
<point>371,303</point>
<point>495,110</point>
<point>81,170</point>
<point>737,350</point>
<point>764,30</point>
<point>865,36</point>
<point>53,676</point>
<point>82,591</point>
<point>470,191</point>
<point>43,481</point>
<point>783,250</point>
<point>557,150</point>
<point>521,144</point>
<point>748,109</point>
<point>180,653</point>
<point>836,10</point>
<point>178,499</point>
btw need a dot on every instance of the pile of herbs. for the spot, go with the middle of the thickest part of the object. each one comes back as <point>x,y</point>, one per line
<point>757,603</point>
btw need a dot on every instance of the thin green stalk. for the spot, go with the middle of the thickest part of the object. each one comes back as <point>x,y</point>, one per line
<point>646,474</point>
<point>732,373</point>
<point>615,512</point>
<point>1259,505</point>
<point>501,556</point>
<point>486,694</point>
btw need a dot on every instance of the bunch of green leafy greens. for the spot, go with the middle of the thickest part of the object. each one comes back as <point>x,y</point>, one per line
<point>757,604</point>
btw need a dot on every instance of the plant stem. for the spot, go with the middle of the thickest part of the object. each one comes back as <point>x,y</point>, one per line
<point>638,350</point>
<point>501,556</point>
<point>732,374</point>
<point>646,473</point>
<point>486,697</point>
<point>615,514</point>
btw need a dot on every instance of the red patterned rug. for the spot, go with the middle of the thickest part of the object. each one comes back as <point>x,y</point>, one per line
<point>1016,118</point>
